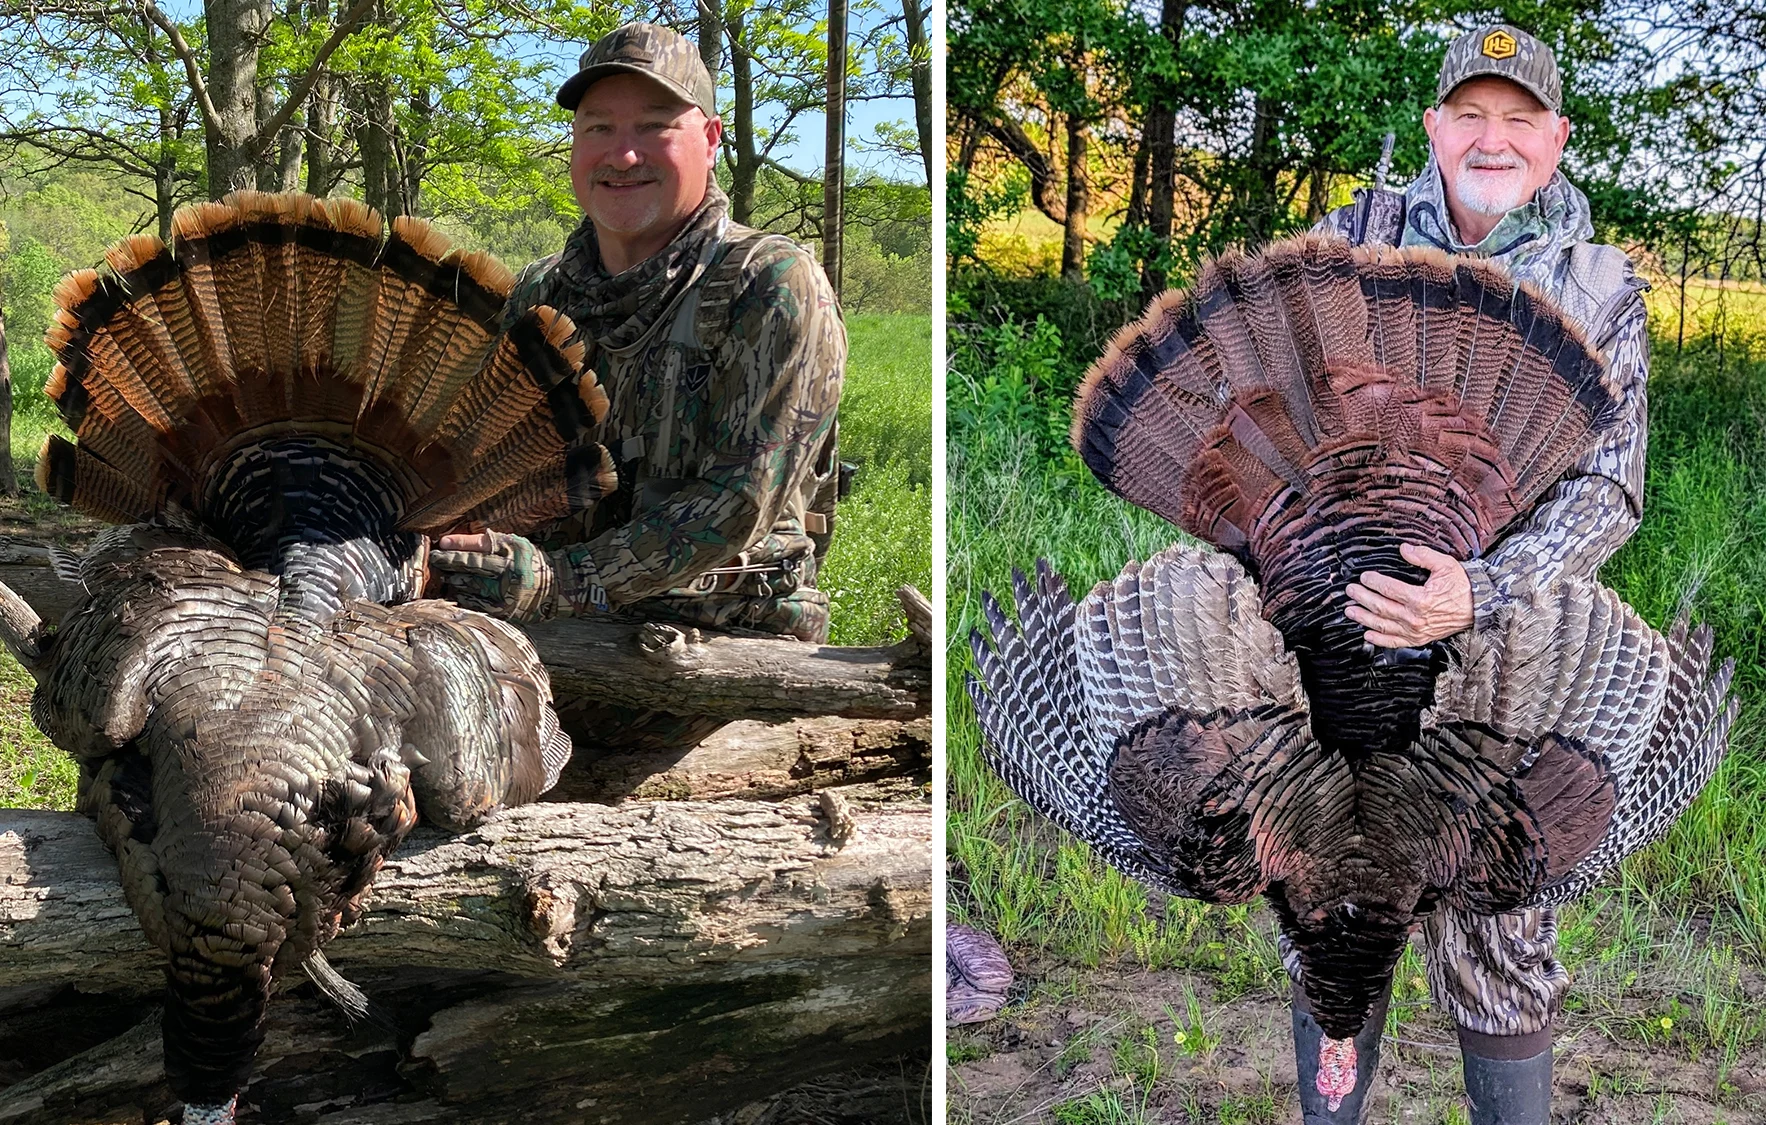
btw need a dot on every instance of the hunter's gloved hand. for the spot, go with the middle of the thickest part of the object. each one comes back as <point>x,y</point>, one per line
<point>502,575</point>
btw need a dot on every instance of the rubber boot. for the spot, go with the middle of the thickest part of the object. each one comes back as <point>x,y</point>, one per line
<point>1508,1077</point>
<point>1314,1108</point>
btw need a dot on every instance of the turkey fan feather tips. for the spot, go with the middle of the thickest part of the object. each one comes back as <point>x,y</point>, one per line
<point>273,314</point>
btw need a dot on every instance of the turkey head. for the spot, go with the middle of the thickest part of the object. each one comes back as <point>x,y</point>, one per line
<point>280,408</point>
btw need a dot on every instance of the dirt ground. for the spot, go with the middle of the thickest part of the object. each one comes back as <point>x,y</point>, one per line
<point>1100,1047</point>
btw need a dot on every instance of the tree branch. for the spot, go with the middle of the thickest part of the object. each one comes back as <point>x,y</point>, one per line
<point>211,117</point>
<point>345,27</point>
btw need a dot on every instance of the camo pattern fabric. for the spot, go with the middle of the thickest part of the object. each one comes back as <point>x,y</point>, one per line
<point>1499,975</point>
<point>723,360</point>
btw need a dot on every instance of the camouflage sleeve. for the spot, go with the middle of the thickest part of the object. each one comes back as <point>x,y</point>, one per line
<point>528,289</point>
<point>1593,510</point>
<point>778,377</point>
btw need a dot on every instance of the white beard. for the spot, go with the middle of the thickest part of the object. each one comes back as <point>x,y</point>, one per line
<point>1484,194</point>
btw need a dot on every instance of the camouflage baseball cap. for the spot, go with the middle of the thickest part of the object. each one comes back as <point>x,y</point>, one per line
<point>656,52</point>
<point>1505,52</point>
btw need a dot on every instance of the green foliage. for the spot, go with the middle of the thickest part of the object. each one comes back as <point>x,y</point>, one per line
<point>33,773</point>
<point>883,530</point>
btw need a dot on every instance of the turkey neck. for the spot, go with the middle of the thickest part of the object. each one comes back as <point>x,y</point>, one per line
<point>321,516</point>
<point>1364,700</point>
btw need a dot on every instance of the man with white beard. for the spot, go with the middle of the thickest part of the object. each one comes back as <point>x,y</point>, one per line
<point>1492,189</point>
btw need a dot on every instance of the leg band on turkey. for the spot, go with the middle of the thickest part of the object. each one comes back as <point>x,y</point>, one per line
<point>1212,723</point>
<point>279,408</point>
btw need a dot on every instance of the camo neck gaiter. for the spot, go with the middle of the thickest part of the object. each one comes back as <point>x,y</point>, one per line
<point>619,311</point>
<point>1530,241</point>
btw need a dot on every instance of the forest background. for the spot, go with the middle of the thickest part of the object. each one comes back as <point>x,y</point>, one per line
<point>112,116</point>
<point>1098,152</point>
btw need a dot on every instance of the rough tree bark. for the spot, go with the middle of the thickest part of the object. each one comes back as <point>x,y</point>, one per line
<point>920,75</point>
<point>711,37</point>
<point>834,164</point>
<point>741,125</point>
<point>760,761</point>
<point>235,30</point>
<point>8,481</point>
<point>1160,144</point>
<point>1078,201</point>
<point>659,962</point>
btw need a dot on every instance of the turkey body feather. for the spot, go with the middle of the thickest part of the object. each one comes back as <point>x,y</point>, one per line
<point>1212,723</point>
<point>280,408</point>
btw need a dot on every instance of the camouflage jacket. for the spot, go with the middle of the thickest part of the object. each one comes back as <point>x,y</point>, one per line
<point>723,358</point>
<point>1593,510</point>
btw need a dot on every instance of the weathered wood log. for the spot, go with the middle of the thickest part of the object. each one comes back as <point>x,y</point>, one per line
<point>659,961</point>
<point>642,665</point>
<point>758,761</point>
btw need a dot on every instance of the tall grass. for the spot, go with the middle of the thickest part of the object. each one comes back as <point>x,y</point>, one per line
<point>883,531</point>
<point>1688,913</point>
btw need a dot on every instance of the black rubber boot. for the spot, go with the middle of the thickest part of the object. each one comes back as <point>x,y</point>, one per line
<point>1508,1077</point>
<point>1314,1108</point>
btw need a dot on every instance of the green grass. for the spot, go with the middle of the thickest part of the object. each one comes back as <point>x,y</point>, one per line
<point>1686,917</point>
<point>883,532</point>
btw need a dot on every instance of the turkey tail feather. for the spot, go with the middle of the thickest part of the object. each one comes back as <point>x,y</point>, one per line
<point>277,315</point>
<point>1284,370</point>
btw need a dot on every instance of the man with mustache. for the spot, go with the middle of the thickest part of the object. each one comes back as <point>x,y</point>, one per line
<point>722,350</point>
<point>1492,189</point>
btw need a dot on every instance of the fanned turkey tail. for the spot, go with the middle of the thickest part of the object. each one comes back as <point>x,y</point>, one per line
<point>283,317</point>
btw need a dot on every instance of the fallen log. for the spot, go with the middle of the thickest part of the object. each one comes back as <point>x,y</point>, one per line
<point>646,665</point>
<point>758,762</point>
<point>660,961</point>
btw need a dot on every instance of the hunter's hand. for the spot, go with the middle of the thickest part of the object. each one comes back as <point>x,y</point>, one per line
<point>495,573</point>
<point>1399,615</point>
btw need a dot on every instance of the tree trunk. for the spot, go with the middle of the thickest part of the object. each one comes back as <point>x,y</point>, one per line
<point>380,180</point>
<point>920,76</point>
<point>762,762</point>
<point>235,29</point>
<point>1073,242</point>
<point>414,157</point>
<point>711,37</point>
<point>282,173</point>
<point>1159,142</point>
<point>834,166</point>
<point>321,123</point>
<point>8,480</point>
<point>742,123</point>
<point>659,962</point>
<point>1136,215</point>
<point>1263,169</point>
<point>1318,194</point>
<point>321,118</point>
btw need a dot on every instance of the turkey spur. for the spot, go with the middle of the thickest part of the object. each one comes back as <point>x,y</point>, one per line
<point>280,408</point>
<point>1213,724</point>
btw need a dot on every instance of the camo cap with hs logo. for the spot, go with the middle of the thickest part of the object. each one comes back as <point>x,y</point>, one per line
<point>1505,52</point>
<point>649,49</point>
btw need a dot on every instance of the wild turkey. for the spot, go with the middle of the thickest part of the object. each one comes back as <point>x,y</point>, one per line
<point>281,407</point>
<point>1215,725</point>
